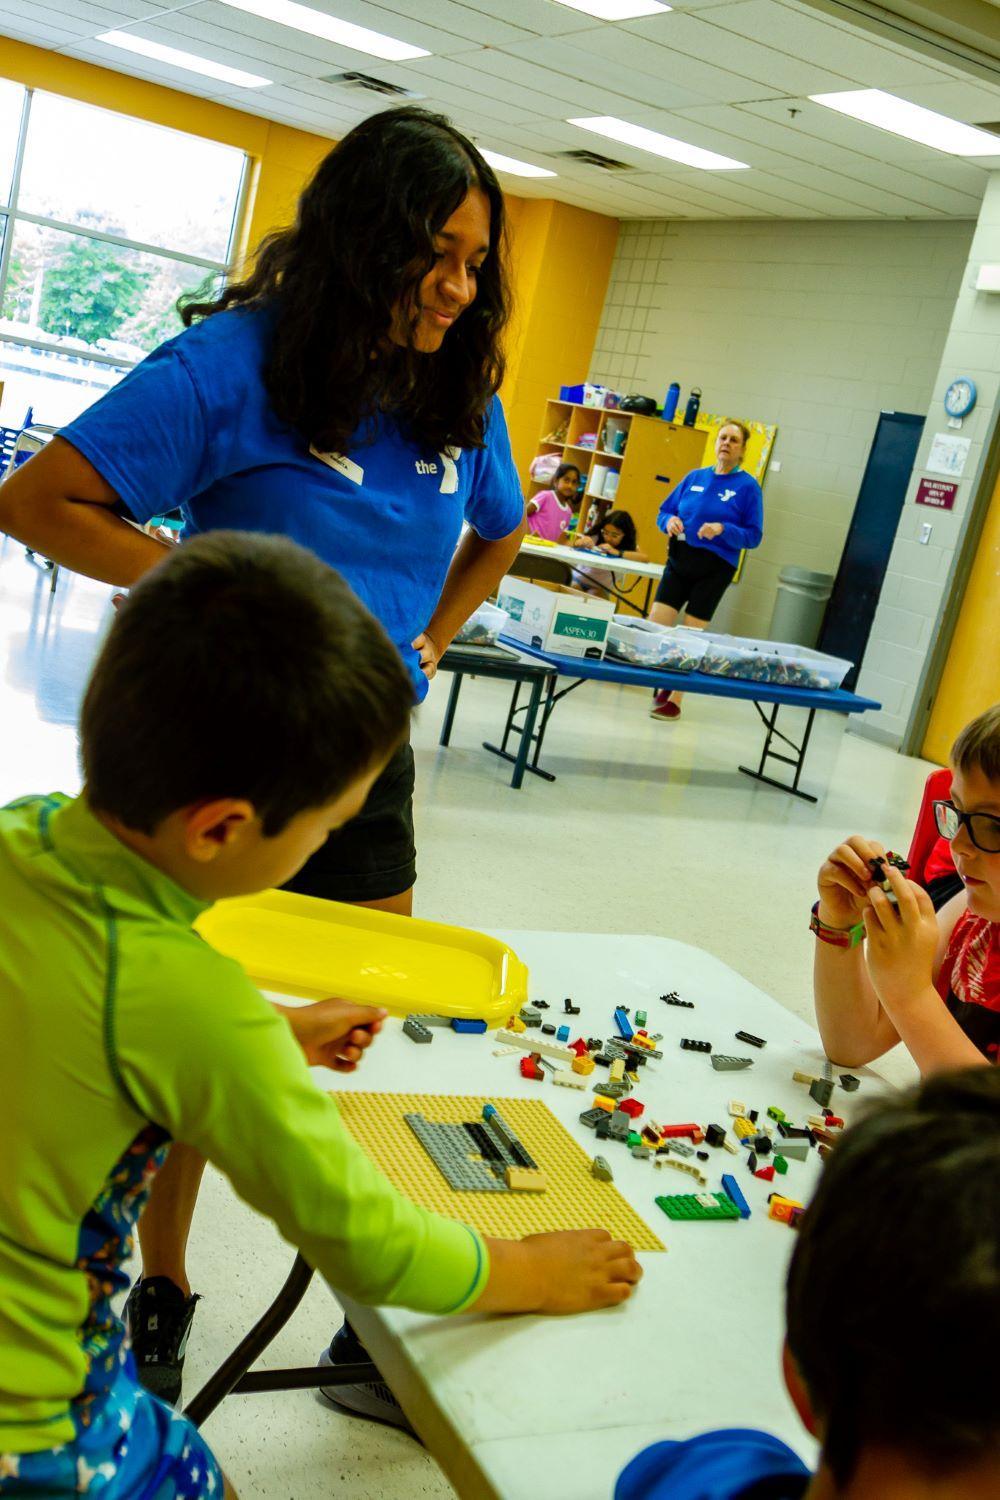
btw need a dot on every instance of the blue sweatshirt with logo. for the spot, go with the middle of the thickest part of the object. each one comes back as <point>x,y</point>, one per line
<point>734,499</point>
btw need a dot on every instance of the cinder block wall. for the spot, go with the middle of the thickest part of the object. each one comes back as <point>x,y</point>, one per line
<point>817,326</point>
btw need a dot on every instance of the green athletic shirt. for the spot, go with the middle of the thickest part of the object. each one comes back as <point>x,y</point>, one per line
<point>121,1029</point>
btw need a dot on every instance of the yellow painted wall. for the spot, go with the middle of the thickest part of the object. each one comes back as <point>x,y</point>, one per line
<point>560,256</point>
<point>971,679</point>
<point>561,263</point>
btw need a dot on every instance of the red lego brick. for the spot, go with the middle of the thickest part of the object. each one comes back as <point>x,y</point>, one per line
<point>631,1107</point>
<point>835,1121</point>
<point>579,1047</point>
<point>766,1173</point>
<point>669,1132</point>
<point>530,1068</point>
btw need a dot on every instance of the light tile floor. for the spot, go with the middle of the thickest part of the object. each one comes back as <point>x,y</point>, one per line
<point>649,828</point>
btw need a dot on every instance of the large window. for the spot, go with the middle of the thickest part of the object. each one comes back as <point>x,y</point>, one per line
<point>104,222</point>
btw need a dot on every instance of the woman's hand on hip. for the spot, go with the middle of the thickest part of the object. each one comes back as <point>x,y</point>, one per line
<point>710,529</point>
<point>430,655</point>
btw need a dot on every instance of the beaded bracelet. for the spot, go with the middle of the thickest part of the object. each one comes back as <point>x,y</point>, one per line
<point>837,937</point>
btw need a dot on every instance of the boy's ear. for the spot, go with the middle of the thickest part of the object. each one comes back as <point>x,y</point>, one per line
<point>215,826</point>
<point>796,1388</point>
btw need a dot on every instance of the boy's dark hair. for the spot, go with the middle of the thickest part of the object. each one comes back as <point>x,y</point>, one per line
<point>625,524</point>
<point>362,241</point>
<point>978,746</point>
<point>893,1296</point>
<point>241,666</point>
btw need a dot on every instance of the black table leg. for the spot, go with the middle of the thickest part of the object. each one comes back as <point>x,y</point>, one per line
<point>449,713</point>
<point>527,730</point>
<point>797,760</point>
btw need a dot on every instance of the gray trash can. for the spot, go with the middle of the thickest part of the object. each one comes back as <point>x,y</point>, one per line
<point>800,606</point>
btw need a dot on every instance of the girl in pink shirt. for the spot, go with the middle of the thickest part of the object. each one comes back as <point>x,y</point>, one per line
<point>550,511</point>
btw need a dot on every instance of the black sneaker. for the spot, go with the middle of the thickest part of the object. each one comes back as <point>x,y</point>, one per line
<point>374,1399</point>
<point>158,1317</point>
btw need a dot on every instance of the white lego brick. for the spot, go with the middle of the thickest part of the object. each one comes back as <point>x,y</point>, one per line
<point>568,1079</point>
<point>532,1043</point>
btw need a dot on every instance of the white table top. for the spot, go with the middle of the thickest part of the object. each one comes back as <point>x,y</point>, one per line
<point>526,1406</point>
<point>578,557</point>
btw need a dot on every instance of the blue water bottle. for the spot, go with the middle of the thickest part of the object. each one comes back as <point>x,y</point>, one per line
<point>670,401</point>
<point>691,410</point>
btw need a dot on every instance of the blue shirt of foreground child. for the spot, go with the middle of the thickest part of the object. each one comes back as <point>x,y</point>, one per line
<point>735,1463</point>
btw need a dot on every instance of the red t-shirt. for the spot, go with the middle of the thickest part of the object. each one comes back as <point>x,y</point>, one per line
<point>969,981</point>
<point>939,862</point>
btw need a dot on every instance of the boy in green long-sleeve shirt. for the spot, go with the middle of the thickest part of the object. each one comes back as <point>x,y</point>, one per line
<point>241,708</point>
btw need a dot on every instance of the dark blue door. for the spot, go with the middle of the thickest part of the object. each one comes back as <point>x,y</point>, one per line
<point>848,620</point>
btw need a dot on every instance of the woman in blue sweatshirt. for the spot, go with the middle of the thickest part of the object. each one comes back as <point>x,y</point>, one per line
<point>710,517</point>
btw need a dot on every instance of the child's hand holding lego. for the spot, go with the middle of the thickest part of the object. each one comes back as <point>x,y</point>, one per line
<point>565,1271</point>
<point>334,1033</point>
<point>845,881</point>
<point>902,941</point>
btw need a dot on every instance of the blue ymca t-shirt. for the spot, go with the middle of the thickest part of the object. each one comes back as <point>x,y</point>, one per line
<point>734,499</point>
<point>733,1464</point>
<point>191,428</point>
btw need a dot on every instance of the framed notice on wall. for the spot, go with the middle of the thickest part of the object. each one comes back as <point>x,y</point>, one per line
<point>948,455</point>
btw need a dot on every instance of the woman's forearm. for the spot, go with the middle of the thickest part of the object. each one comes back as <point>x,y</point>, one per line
<point>476,569</point>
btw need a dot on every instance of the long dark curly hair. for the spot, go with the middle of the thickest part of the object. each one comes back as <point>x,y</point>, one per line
<point>362,241</point>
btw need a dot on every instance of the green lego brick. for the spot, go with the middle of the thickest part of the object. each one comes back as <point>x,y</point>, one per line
<point>634,1139</point>
<point>779,1163</point>
<point>696,1206</point>
<point>640,1018</point>
<point>773,1113</point>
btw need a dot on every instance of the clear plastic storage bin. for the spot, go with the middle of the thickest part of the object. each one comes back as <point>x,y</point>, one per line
<point>483,628</point>
<point>777,662</point>
<point>643,644</point>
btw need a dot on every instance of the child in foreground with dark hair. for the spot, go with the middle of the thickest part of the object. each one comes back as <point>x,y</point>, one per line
<point>241,708</point>
<point>893,1321</point>
<point>889,971</point>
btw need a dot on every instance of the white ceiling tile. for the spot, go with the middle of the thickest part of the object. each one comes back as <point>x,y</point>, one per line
<point>764,60</point>
<point>466,22</point>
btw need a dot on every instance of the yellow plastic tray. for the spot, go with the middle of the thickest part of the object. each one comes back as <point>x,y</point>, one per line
<point>299,945</point>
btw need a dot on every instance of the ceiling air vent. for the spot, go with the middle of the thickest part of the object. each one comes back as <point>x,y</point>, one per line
<point>371,85</point>
<point>595,159</point>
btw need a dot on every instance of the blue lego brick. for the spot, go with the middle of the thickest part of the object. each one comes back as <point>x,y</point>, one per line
<point>562,1035</point>
<point>732,1187</point>
<point>458,1024</point>
<point>625,1028</point>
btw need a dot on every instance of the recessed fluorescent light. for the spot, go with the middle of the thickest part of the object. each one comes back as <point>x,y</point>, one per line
<point>616,10</point>
<point>513,166</point>
<point>186,60</point>
<point>318,23</point>
<point>659,145</point>
<point>889,112</point>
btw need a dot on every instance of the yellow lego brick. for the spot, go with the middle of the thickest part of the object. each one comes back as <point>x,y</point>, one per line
<point>600,1102</point>
<point>524,1180</point>
<point>573,1200</point>
<point>744,1128</point>
<point>781,1208</point>
<point>515,1024</point>
<point>617,1070</point>
<point>584,1065</point>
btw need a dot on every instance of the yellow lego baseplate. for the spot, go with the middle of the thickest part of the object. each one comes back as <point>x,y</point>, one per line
<point>573,1199</point>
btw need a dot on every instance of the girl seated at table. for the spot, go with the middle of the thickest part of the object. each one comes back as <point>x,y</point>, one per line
<point>615,536</point>
<point>551,512</point>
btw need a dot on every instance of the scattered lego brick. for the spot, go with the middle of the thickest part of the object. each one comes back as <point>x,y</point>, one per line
<point>690,1045</point>
<point>778,1115</point>
<point>743,1129</point>
<point>525,1180</point>
<point>681,1166</point>
<point>849,1083</point>
<point>732,1189</point>
<point>706,1207</point>
<point>594,1044</point>
<point>674,999</point>
<point>736,1107</point>
<point>583,1065</point>
<point>530,1016</point>
<point>795,1150</point>
<point>612,1090</point>
<point>430,1019</point>
<point>680,1148</point>
<point>620,1127</point>
<point>821,1089</point>
<point>804,1077</point>
<point>625,1028</point>
<point>651,1135</point>
<point>548,1029</point>
<point>730,1146</point>
<point>750,1039</point>
<point>702,1155</point>
<point>724,1063</point>
<point>569,1008</point>
<point>579,1047</point>
<point>591,1117</point>
<point>640,1151</point>
<point>715,1135</point>
<point>504,1051</point>
<point>416,1030</point>
<point>640,1018</point>
<point>531,1068</point>
<point>693,1132</point>
<point>540,1004</point>
<point>754,1115</point>
<point>562,1034</point>
<point>766,1174</point>
<point>603,1127</point>
<point>783,1209</point>
<point>507,1037</point>
<point>752,1162</point>
<point>567,1079</point>
<point>834,1122</point>
<point>780,1164</point>
<point>632,1108</point>
<point>458,1024</point>
<point>617,1072</point>
<point>600,1169</point>
<point>602,1103</point>
<point>762,1145</point>
<point>515,1024</point>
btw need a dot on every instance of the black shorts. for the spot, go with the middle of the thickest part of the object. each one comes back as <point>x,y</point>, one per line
<point>374,855</point>
<point>696,577</point>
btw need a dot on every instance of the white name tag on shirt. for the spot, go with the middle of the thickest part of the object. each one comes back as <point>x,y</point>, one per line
<point>449,479</point>
<point>696,489</point>
<point>346,466</point>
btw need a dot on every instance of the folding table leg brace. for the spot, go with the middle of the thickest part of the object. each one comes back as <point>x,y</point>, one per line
<point>797,760</point>
<point>529,735</point>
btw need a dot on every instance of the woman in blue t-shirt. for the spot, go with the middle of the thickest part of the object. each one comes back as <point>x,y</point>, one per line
<point>342,393</point>
<point>710,517</point>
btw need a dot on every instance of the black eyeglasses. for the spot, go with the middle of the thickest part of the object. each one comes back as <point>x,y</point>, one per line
<point>984,829</point>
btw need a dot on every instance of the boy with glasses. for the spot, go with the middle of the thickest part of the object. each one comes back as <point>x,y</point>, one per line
<point>890,970</point>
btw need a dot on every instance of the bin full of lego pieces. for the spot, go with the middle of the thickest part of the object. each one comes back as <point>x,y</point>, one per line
<point>777,662</point>
<point>482,628</point>
<point>642,643</point>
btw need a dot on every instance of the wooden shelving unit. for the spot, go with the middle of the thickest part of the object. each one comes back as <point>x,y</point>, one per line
<point>654,456</point>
